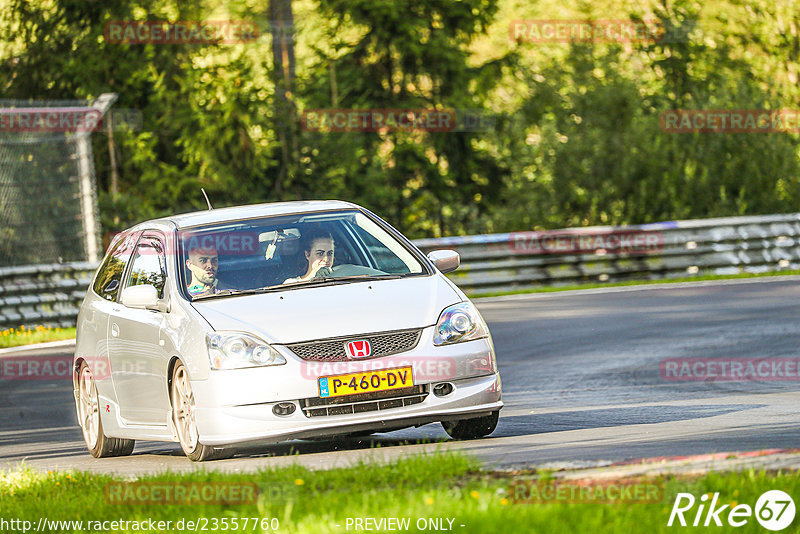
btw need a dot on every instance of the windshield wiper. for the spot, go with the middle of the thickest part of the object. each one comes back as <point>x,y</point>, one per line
<point>317,280</point>
<point>368,277</point>
<point>229,292</point>
<point>335,280</point>
<point>321,280</point>
<point>345,279</point>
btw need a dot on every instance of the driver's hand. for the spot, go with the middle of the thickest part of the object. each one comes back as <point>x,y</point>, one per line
<point>323,272</point>
<point>317,266</point>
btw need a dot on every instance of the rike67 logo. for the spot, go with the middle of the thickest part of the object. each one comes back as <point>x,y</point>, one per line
<point>774,510</point>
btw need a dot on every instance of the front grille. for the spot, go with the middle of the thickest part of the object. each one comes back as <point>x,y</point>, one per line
<point>364,402</point>
<point>332,350</point>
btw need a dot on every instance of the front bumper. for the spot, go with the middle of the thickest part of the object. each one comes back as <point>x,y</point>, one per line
<point>256,424</point>
<point>235,406</point>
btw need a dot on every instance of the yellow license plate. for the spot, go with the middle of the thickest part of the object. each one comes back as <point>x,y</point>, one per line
<point>366,382</point>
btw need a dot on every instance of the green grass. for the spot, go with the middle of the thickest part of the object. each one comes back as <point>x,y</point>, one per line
<point>441,485</point>
<point>14,337</point>
<point>698,278</point>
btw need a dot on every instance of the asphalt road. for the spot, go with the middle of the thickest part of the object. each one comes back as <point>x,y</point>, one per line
<point>581,378</point>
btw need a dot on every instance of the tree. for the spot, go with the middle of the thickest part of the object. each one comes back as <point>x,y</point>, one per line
<point>409,54</point>
<point>283,61</point>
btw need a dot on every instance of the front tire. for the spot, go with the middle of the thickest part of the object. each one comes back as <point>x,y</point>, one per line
<point>183,416</point>
<point>474,428</point>
<point>88,407</point>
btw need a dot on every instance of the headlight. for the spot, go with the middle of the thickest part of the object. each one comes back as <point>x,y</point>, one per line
<point>235,350</point>
<point>460,322</point>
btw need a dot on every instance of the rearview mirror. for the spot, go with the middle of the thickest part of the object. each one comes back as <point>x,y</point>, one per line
<point>275,237</point>
<point>144,296</point>
<point>445,260</point>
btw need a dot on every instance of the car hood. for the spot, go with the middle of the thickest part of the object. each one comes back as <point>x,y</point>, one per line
<point>310,313</point>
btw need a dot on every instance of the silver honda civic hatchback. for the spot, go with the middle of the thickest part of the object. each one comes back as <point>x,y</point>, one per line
<point>250,325</point>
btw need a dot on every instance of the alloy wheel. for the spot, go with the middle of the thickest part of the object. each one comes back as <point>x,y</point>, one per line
<point>184,409</point>
<point>88,407</point>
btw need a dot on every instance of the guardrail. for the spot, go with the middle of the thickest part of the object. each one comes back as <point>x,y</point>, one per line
<point>51,294</point>
<point>524,260</point>
<point>43,294</point>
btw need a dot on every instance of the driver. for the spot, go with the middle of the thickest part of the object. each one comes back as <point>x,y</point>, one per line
<point>319,257</point>
<point>203,263</point>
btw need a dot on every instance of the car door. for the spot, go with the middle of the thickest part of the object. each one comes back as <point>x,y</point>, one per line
<point>106,286</point>
<point>136,346</point>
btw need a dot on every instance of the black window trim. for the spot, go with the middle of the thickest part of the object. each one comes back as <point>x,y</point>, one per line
<point>111,249</point>
<point>147,233</point>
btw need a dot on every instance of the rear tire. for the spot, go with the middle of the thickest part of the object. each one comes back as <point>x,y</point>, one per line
<point>474,428</point>
<point>88,408</point>
<point>183,416</point>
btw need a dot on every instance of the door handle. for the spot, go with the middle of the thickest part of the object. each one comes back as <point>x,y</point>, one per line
<point>114,330</point>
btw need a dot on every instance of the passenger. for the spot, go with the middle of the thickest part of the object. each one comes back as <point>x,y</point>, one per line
<point>318,250</point>
<point>204,264</point>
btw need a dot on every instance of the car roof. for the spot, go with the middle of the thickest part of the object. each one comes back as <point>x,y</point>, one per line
<point>197,218</point>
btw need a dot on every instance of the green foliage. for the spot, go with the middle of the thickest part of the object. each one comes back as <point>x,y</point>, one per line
<point>594,153</point>
<point>576,138</point>
<point>409,55</point>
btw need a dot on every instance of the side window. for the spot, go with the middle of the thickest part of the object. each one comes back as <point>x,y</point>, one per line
<point>148,265</point>
<point>109,276</point>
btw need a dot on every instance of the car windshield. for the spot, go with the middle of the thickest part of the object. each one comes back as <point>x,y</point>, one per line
<point>285,252</point>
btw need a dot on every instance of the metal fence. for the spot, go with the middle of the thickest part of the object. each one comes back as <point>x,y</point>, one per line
<point>525,260</point>
<point>50,294</point>
<point>48,198</point>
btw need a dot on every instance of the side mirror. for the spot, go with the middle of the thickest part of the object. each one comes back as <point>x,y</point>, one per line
<point>445,260</point>
<point>143,296</point>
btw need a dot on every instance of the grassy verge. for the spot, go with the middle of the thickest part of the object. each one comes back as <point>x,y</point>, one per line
<point>14,337</point>
<point>439,487</point>
<point>699,278</point>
